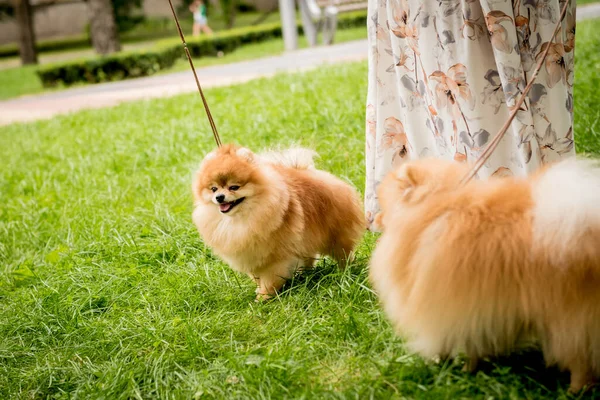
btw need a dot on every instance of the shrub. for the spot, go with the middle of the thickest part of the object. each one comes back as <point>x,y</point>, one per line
<point>76,42</point>
<point>165,53</point>
<point>110,68</point>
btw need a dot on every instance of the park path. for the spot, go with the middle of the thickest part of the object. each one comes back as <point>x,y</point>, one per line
<point>35,107</point>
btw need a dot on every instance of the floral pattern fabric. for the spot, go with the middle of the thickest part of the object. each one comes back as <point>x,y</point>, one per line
<point>445,74</point>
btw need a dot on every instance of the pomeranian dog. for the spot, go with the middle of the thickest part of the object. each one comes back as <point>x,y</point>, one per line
<point>269,215</point>
<point>481,268</point>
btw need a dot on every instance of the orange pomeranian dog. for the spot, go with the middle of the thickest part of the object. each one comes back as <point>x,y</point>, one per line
<point>268,215</point>
<point>480,268</point>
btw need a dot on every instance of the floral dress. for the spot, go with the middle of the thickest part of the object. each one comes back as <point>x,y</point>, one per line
<point>445,74</point>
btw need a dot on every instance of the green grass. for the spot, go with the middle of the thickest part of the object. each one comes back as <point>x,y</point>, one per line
<point>587,87</point>
<point>106,290</point>
<point>21,81</point>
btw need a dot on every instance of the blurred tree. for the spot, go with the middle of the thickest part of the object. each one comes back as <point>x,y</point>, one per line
<point>24,14</point>
<point>230,8</point>
<point>105,15</point>
<point>125,14</point>
<point>103,27</point>
<point>7,9</point>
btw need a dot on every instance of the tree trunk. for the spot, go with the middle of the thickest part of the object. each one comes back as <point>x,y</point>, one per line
<point>24,14</point>
<point>103,28</point>
<point>232,14</point>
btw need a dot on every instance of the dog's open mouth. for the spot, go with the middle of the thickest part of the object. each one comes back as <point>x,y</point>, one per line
<point>226,207</point>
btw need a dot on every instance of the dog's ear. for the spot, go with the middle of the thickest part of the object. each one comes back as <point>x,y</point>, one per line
<point>246,154</point>
<point>210,156</point>
<point>409,176</point>
<point>207,158</point>
<point>409,173</point>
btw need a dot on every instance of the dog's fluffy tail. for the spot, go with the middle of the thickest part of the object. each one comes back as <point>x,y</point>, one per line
<point>295,157</point>
<point>567,208</point>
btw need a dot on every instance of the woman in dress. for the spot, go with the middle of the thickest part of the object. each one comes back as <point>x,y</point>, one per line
<point>445,74</point>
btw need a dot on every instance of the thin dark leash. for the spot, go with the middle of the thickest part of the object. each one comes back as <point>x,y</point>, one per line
<point>494,143</point>
<point>488,150</point>
<point>189,57</point>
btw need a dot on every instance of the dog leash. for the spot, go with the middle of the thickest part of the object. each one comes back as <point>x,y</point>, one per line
<point>494,143</point>
<point>488,150</point>
<point>189,57</point>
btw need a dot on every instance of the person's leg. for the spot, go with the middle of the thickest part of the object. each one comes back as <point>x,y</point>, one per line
<point>196,29</point>
<point>206,29</point>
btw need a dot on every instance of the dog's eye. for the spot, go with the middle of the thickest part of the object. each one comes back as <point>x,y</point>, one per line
<point>214,189</point>
<point>234,188</point>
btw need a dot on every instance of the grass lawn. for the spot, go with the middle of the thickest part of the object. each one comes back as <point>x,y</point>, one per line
<point>106,290</point>
<point>20,81</point>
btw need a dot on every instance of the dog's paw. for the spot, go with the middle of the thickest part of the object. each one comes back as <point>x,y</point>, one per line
<point>440,359</point>
<point>261,297</point>
<point>582,385</point>
<point>470,365</point>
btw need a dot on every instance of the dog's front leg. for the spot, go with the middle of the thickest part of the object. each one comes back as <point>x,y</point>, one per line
<point>270,280</point>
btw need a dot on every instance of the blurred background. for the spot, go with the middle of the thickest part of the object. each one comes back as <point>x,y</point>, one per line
<point>58,25</point>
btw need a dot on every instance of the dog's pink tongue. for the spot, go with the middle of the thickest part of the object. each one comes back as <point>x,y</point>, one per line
<point>224,206</point>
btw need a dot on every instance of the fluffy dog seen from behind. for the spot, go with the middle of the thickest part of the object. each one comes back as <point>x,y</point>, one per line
<point>268,215</point>
<point>480,268</point>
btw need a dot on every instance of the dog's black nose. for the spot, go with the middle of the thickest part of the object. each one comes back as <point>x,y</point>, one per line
<point>220,198</point>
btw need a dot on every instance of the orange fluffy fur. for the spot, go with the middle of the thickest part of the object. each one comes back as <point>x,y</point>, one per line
<point>290,214</point>
<point>480,268</point>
